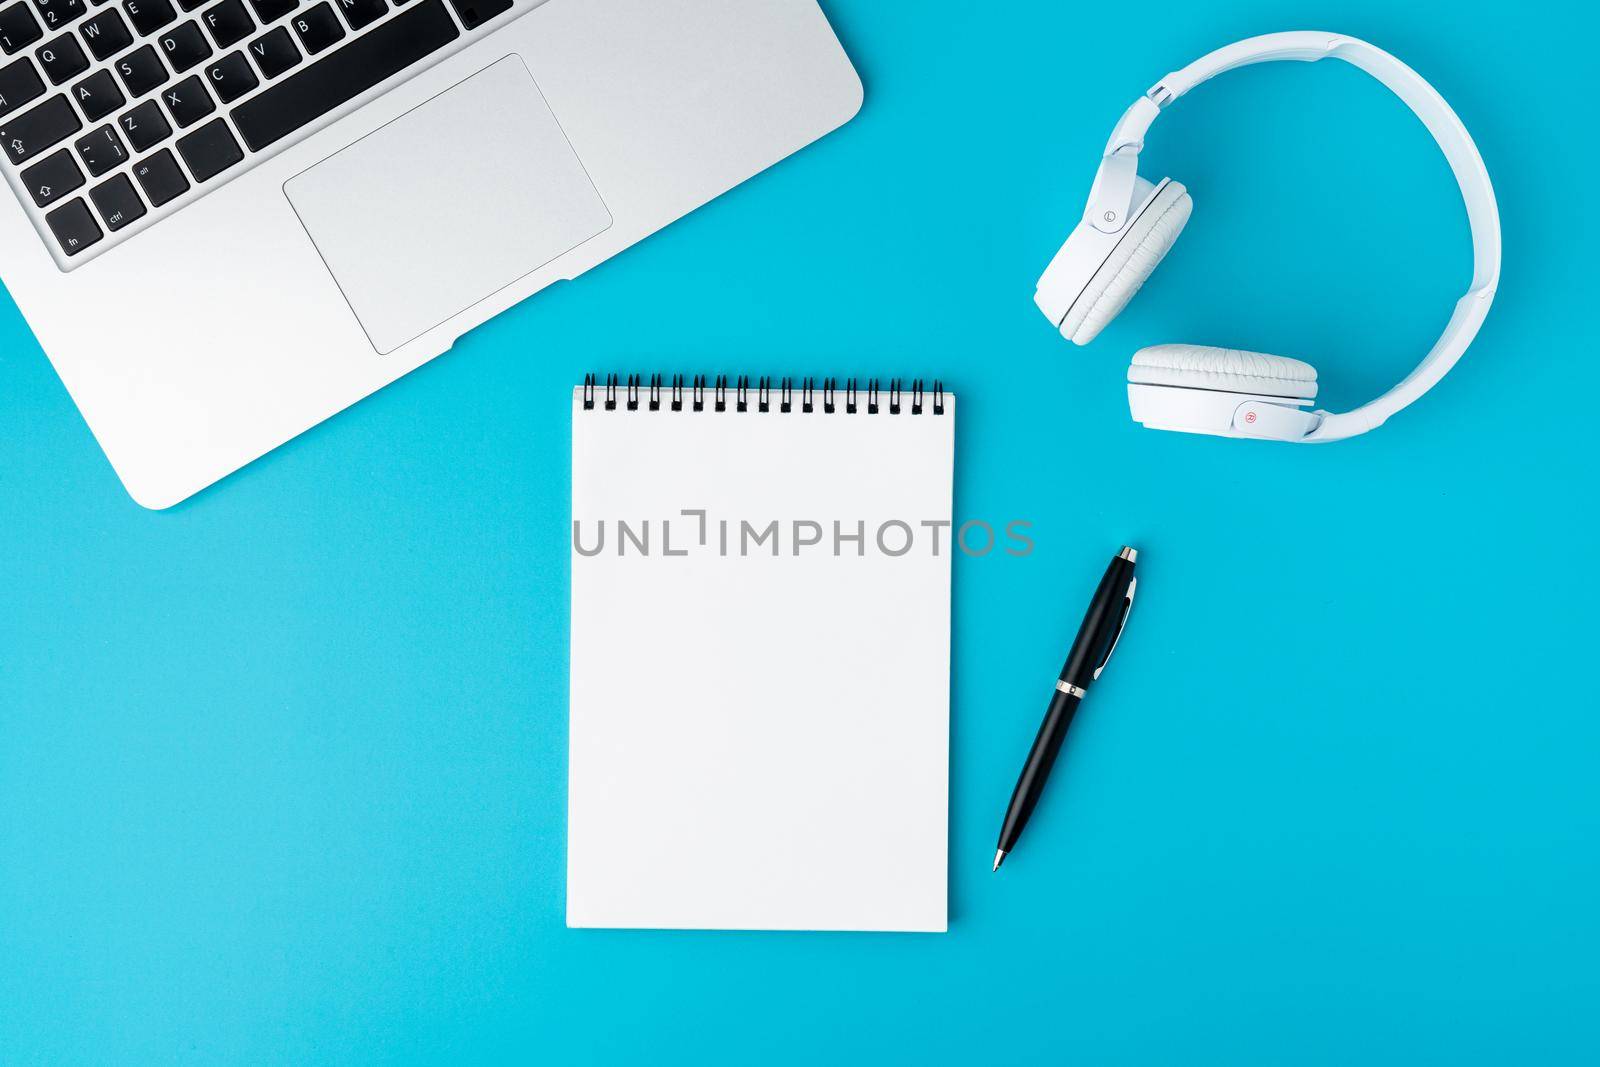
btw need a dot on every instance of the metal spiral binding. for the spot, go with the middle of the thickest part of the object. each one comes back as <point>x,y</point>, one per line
<point>763,390</point>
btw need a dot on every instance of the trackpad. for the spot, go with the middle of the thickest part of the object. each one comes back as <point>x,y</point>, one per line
<point>447,204</point>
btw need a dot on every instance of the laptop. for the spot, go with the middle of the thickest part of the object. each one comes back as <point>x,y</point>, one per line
<point>229,219</point>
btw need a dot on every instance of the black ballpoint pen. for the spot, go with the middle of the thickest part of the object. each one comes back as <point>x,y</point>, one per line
<point>1097,638</point>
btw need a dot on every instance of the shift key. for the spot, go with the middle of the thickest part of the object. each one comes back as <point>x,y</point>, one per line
<point>26,135</point>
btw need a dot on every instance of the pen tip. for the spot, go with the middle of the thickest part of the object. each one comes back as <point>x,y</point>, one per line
<point>999,857</point>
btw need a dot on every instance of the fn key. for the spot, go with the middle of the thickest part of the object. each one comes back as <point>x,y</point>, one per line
<point>210,150</point>
<point>74,226</point>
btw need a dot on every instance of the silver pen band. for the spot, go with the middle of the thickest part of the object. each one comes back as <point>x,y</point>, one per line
<point>1071,690</point>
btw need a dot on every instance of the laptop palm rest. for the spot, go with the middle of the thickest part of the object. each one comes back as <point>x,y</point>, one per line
<point>447,204</point>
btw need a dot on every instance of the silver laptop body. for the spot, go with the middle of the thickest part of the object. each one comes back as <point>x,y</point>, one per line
<point>317,196</point>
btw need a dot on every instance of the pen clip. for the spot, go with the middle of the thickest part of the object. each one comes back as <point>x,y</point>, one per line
<point>1122,625</point>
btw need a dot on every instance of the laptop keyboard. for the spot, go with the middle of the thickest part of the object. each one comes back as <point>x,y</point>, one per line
<point>115,115</point>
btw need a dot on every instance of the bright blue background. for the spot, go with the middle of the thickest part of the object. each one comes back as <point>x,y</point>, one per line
<point>282,770</point>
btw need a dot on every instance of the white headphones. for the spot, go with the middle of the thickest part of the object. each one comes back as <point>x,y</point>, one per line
<point>1130,224</point>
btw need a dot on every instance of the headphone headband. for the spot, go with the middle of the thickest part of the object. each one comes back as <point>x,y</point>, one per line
<point>1477,192</point>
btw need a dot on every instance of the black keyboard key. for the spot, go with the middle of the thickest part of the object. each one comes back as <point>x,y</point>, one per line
<point>318,28</point>
<point>141,71</point>
<point>118,202</point>
<point>59,13</point>
<point>32,132</point>
<point>145,127</point>
<point>18,29</point>
<point>269,11</point>
<point>52,178</point>
<point>19,84</point>
<point>148,16</point>
<point>229,23</point>
<point>74,226</point>
<point>161,178</point>
<point>210,150</point>
<point>382,52</point>
<point>62,58</point>
<point>231,77</point>
<point>101,151</point>
<point>475,13</point>
<point>106,34</point>
<point>184,46</point>
<point>98,95</point>
<point>274,53</point>
<point>362,13</point>
<point>188,101</point>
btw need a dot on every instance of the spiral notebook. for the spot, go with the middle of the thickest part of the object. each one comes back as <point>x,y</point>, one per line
<point>760,654</point>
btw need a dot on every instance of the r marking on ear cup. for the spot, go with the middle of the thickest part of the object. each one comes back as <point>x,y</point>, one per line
<point>1222,391</point>
<point>1148,240</point>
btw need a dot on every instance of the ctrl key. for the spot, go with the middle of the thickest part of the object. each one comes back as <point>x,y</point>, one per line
<point>74,226</point>
<point>119,205</point>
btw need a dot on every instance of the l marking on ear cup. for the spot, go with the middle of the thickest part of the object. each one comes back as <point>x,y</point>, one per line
<point>1145,244</point>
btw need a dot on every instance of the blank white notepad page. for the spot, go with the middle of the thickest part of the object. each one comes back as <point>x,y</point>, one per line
<point>760,697</point>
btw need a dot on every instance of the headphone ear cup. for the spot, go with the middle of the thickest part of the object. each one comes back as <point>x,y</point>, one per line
<point>1222,391</point>
<point>1148,240</point>
<point>1227,370</point>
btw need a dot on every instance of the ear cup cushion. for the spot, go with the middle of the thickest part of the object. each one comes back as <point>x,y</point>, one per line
<point>1147,242</point>
<point>1227,370</point>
